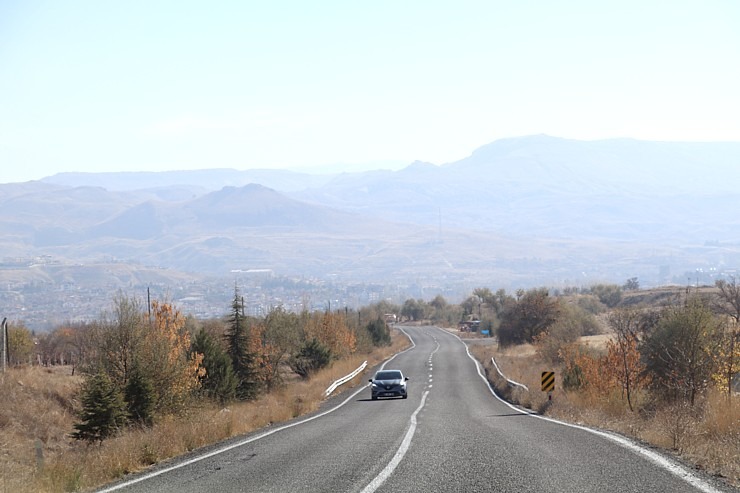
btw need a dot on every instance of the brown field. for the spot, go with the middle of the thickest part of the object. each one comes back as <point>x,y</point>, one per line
<point>38,455</point>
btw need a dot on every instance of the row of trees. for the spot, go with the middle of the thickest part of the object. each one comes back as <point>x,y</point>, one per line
<point>142,364</point>
<point>675,351</point>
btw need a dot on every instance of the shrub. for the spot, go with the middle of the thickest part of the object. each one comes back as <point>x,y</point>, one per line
<point>103,410</point>
<point>531,315</point>
<point>379,333</point>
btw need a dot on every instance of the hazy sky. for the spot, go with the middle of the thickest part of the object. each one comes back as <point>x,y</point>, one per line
<point>159,85</point>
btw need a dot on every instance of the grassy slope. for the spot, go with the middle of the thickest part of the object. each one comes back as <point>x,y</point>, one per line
<point>37,454</point>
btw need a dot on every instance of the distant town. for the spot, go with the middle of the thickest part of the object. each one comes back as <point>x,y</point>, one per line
<point>42,304</point>
<point>42,293</point>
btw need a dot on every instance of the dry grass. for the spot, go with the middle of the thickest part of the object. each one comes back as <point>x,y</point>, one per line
<point>42,407</point>
<point>707,435</point>
<point>37,412</point>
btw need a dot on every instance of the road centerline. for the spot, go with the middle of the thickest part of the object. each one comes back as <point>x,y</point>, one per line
<point>400,453</point>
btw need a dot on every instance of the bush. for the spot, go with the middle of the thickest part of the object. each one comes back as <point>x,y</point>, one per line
<point>679,351</point>
<point>608,294</point>
<point>531,315</point>
<point>379,333</point>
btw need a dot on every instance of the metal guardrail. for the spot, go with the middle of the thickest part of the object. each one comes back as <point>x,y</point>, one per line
<point>510,382</point>
<point>344,380</point>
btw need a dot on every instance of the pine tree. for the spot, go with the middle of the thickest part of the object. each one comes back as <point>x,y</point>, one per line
<point>103,410</point>
<point>219,381</point>
<point>242,359</point>
<point>140,397</point>
<point>312,356</point>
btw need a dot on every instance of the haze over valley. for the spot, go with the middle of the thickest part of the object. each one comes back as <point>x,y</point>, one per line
<point>522,212</point>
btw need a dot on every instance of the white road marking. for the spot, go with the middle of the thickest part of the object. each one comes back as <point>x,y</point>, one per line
<point>672,467</point>
<point>213,453</point>
<point>405,444</point>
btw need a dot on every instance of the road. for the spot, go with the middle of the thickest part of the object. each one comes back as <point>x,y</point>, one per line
<point>451,435</point>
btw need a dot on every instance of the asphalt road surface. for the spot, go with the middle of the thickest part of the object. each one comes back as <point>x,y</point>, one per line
<point>451,435</point>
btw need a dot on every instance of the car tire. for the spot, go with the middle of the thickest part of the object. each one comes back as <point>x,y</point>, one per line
<point>405,396</point>
<point>375,397</point>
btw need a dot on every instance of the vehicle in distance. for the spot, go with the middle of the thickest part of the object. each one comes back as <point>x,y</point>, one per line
<point>388,383</point>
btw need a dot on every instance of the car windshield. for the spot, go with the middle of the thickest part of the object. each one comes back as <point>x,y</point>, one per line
<point>388,375</point>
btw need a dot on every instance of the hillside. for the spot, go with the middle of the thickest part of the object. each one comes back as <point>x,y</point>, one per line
<point>528,211</point>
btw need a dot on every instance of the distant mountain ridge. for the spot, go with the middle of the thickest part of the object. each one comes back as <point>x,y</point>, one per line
<point>545,186</point>
<point>197,181</point>
<point>533,207</point>
<point>673,167</point>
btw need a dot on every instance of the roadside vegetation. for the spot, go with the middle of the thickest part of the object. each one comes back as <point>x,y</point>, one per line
<point>89,403</point>
<point>660,368</point>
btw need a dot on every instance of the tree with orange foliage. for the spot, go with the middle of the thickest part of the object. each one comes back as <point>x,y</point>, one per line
<point>167,360</point>
<point>624,366</point>
<point>619,368</point>
<point>331,331</point>
<point>264,354</point>
<point>146,359</point>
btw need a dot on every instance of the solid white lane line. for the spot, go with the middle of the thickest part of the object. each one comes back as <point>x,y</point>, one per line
<point>405,444</point>
<point>199,458</point>
<point>658,459</point>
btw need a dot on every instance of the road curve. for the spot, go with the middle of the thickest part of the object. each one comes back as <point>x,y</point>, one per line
<point>451,435</point>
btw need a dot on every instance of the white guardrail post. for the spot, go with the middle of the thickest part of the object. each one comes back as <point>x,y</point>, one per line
<point>344,380</point>
<point>511,382</point>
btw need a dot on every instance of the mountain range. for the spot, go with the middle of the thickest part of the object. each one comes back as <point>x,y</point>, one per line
<point>516,212</point>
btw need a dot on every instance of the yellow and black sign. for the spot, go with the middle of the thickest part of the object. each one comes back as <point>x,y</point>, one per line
<point>548,381</point>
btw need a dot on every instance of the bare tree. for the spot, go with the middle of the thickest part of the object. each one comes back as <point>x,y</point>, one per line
<point>628,325</point>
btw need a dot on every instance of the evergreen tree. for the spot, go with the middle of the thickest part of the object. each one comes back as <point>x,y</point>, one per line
<point>379,333</point>
<point>219,381</point>
<point>103,410</point>
<point>312,356</point>
<point>243,361</point>
<point>140,397</point>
